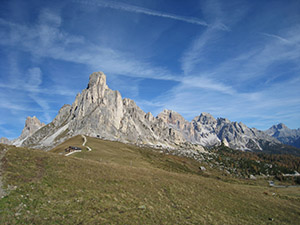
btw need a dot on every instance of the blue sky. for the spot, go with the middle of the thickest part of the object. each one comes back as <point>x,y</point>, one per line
<point>234,59</point>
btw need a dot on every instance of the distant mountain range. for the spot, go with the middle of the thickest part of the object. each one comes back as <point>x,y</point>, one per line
<point>101,112</point>
<point>285,135</point>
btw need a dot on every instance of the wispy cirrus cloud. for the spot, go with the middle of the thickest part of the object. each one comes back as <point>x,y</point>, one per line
<point>53,91</point>
<point>30,87</point>
<point>246,84</point>
<point>257,63</point>
<point>277,37</point>
<point>33,83</point>
<point>204,82</point>
<point>47,39</point>
<point>220,63</point>
<point>136,9</point>
<point>195,54</point>
<point>255,108</point>
<point>197,51</point>
<point>9,105</point>
<point>291,39</point>
<point>224,90</point>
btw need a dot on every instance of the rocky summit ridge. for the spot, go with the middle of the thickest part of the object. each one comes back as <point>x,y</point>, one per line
<point>285,135</point>
<point>101,112</point>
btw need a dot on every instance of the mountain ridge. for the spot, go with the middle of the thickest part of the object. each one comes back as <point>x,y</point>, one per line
<point>101,112</point>
<point>285,135</point>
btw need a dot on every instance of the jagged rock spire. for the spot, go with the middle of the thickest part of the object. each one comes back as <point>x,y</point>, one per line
<point>32,124</point>
<point>97,79</point>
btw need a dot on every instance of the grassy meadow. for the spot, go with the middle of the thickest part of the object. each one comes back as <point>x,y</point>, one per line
<point>117,183</point>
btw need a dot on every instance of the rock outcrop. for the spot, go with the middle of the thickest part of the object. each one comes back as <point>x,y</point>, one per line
<point>32,124</point>
<point>5,141</point>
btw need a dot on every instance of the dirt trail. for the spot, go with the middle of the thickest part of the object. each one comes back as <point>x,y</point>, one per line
<point>70,153</point>
<point>84,142</point>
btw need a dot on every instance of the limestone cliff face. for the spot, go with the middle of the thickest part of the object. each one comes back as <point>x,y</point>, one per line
<point>180,130</point>
<point>101,112</point>
<point>97,109</point>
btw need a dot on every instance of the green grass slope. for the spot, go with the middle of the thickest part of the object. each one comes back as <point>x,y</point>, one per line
<point>123,184</point>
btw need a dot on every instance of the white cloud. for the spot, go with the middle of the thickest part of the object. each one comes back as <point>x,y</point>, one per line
<point>56,90</point>
<point>26,86</point>
<point>207,90</point>
<point>44,40</point>
<point>47,39</point>
<point>44,105</point>
<point>35,77</point>
<point>218,90</point>
<point>206,83</point>
<point>277,37</point>
<point>195,53</point>
<point>278,102</point>
<point>33,84</point>
<point>291,36</point>
<point>50,18</point>
<point>4,104</point>
<point>145,11</point>
<point>255,63</point>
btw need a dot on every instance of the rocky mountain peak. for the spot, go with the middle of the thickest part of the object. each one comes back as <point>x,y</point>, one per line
<point>205,118</point>
<point>285,135</point>
<point>97,79</point>
<point>281,126</point>
<point>275,130</point>
<point>149,116</point>
<point>223,121</point>
<point>172,117</point>
<point>4,140</point>
<point>32,124</point>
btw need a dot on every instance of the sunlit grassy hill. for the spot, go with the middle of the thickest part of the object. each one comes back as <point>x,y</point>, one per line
<point>117,183</point>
